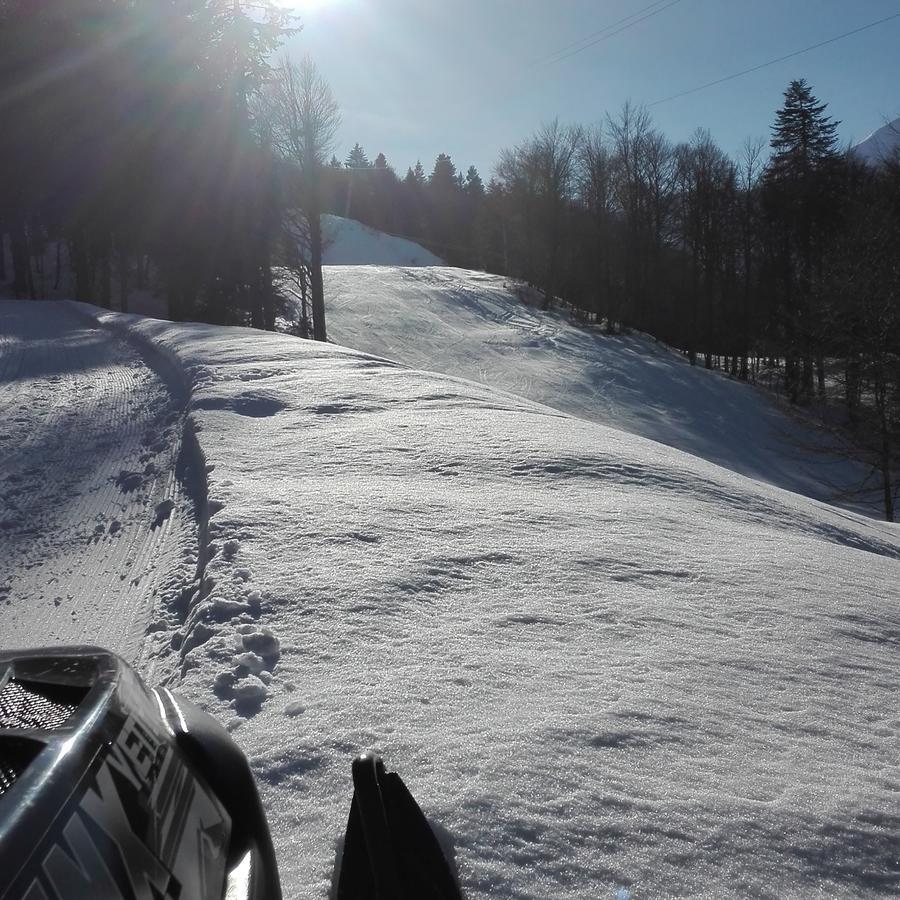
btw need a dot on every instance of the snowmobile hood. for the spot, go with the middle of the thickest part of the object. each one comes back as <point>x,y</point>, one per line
<point>99,796</point>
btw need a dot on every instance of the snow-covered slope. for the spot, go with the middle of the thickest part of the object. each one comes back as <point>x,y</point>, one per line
<point>476,326</point>
<point>599,663</point>
<point>883,144</point>
<point>350,243</point>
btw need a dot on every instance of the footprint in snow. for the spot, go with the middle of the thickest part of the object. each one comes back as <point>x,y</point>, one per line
<point>162,513</point>
<point>128,481</point>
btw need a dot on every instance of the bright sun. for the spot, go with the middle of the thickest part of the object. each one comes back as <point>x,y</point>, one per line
<point>306,6</point>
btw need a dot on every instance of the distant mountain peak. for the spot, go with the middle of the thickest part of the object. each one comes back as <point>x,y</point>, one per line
<point>880,145</point>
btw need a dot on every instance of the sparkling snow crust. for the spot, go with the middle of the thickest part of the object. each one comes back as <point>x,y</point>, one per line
<point>600,663</point>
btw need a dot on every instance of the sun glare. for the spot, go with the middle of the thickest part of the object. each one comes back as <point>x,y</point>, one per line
<point>306,6</point>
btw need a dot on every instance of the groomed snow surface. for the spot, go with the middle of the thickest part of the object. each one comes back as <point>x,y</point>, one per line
<point>605,667</point>
<point>491,330</point>
<point>94,519</point>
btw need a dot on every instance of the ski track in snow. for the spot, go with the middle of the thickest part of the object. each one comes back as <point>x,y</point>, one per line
<point>95,527</point>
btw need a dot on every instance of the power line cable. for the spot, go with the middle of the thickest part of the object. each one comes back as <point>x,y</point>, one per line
<point>772,62</point>
<point>606,36</point>
<point>570,50</point>
<point>551,57</point>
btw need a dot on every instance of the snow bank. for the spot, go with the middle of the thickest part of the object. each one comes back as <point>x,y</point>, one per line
<point>476,325</point>
<point>599,663</point>
<point>350,243</point>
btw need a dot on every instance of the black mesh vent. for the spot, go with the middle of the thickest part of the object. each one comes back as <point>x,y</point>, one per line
<point>15,757</point>
<point>30,705</point>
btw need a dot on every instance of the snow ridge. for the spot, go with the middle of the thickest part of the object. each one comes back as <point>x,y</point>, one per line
<point>200,602</point>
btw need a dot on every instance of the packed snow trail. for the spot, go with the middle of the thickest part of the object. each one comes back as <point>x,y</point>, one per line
<point>598,662</point>
<point>94,526</point>
<point>476,325</point>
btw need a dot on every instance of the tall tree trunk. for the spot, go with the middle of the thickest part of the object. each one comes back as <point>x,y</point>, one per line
<point>32,292</point>
<point>806,386</point>
<point>257,304</point>
<point>880,391</point>
<point>317,286</point>
<point>745,316</point>
<point>21,262</point>
<point>851,390</point>
<point>81,268</point>
<point>305,330</point>
<point>264,274</point>
<point>791,378</point>
<point>58,273</point>
<point>122,266</point>
<point>886,474</point>
<point>106,277</point>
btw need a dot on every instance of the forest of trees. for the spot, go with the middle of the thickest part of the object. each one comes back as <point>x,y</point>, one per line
<point>134,152</point>
<point>159,145</point>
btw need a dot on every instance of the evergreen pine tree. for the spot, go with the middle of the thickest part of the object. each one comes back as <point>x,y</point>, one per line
<point>445,208</point>
<point>803,137</point>
<point>801,202</point>
<point>472,235</point>
<point>386,199</point>
<point>412,203</point>
<point>474,184</point>
<point>443,176</point>
<point>357,159</point>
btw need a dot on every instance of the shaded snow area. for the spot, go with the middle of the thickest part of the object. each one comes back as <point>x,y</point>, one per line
<point>95,524</point>
<point>350,243</point>
<point>476,325</point>
<point>605,667</point>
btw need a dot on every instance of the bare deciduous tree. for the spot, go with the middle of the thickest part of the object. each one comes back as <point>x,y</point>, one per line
<point>540,174</point>
<point>596,192</point>
<point>303,119</point>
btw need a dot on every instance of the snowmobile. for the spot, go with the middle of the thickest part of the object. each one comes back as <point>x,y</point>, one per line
<point>109,789</point>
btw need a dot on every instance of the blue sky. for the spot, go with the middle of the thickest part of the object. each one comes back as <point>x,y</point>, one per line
<point>415,78</point>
